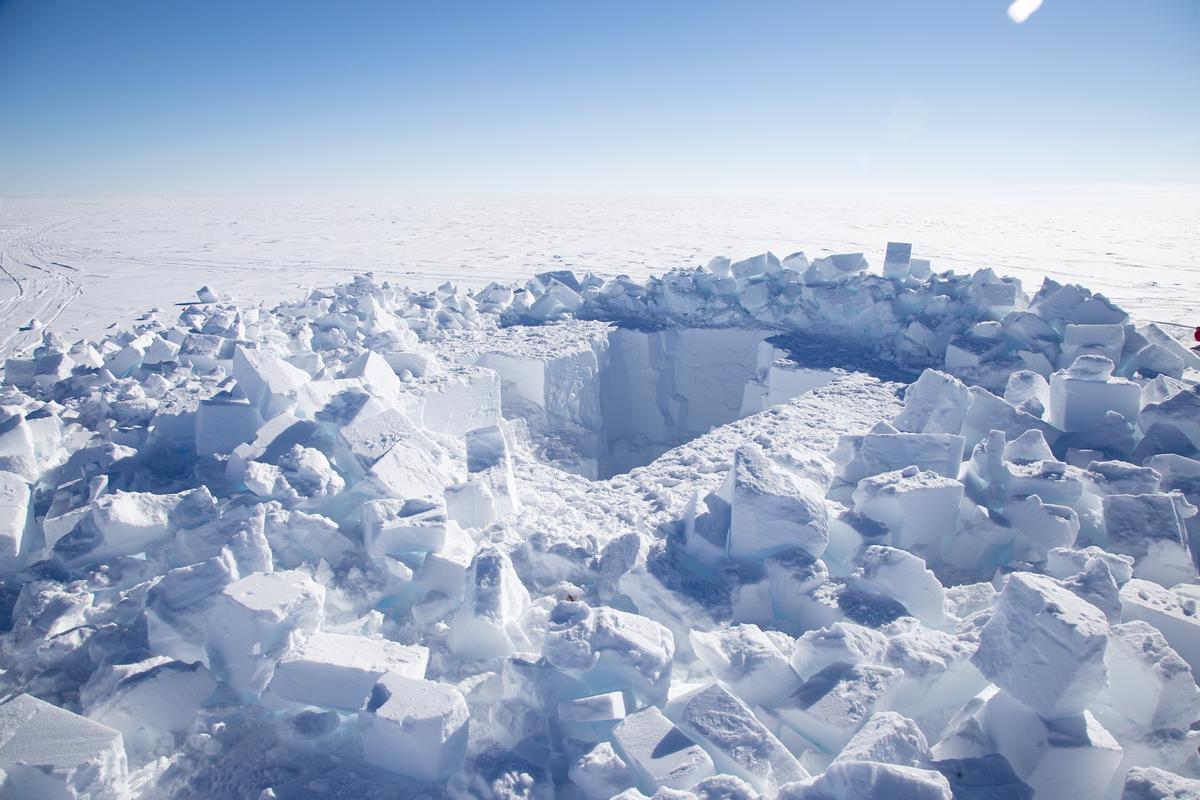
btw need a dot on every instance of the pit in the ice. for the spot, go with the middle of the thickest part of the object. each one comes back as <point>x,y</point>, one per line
<point>600,400</point>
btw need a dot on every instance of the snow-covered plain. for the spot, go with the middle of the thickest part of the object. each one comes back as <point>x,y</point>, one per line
<point>1140,249</point>
<point>845,526</point>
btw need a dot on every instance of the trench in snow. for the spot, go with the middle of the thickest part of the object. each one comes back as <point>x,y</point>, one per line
<point>634,394</point>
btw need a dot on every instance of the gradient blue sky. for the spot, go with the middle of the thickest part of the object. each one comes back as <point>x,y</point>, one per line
<point>178,97</point>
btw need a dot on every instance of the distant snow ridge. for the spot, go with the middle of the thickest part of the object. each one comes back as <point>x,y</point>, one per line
<point>590,539</point>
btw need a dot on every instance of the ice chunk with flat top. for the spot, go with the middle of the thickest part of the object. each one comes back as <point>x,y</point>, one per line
<point>1097,585</point>
<point>841,642</point>
<point>1149,684</point>
<point>831,269</point>
<point>600,773</point>
<point>453,401</point>
<point>747,661</point>
<point>414,727</point>
<point>1149,527</point>
<point>1152,783</point>
<point>1100,340</point>
<point>1039,527</point>
<point>49,752</point>
<point>1064,562</point>
<point>487,622</point>
<point>255,620</point>
<point>1171,611</point>
<point>371,430</point>
<point>989,413</point>
<point>790,575</point>
<point>902,576</point>
<point>866,780</point>
<point>1083,394</point>
<point>761,264</point>
<point>1045,645</point>
<point>1120,477</point>
<point>398,527</point>
<point>938,675</point>
<point>605,707</point>
<point>471,503</point>
<point>1071,757</point>
<point>889,738</point>
<point>834,703</point>
<point>738,743</point>
<point>980,344</point>
<point>896,260</point>
<point>179,604</point>
<point>609,649</point>
<point>376,373</point>
<point>444,570</point>
<point>222,423</point>
<point>147,700</point>
<point>918,507</point>
<point>270,384</point>
<point>337,670</point>
<point>1029,392</point>
<point>772,509</point>
<point>859,456</point>
<point>14,516</point>
<point>660,754</point>
<point>935,403</point>
<point>129,522</point>
<point>415,466</point>
<point>1172,424</point>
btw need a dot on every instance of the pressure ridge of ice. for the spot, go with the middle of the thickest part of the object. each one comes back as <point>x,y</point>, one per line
<point>768,528</point>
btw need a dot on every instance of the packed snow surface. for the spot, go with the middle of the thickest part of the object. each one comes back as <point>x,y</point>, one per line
<point>776,527</point>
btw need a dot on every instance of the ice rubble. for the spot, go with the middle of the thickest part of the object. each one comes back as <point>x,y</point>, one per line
<point>591,538</point>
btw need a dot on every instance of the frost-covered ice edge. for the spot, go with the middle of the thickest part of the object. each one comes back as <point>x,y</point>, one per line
<point>587,538</point>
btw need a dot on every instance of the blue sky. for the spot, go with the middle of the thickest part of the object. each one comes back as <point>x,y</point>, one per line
<point>179,97</point>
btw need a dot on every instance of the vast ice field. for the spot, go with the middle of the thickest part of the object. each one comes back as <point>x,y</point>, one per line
<point>594,500</point>
<point>1141,249</point>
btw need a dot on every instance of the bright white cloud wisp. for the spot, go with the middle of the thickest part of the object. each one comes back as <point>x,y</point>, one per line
<point>1021,10</point>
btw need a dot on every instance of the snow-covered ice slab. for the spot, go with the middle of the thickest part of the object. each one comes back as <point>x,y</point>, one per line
<point>148,700</point>
<point>834,703</point>
<point>737,741</point>
<point>414,727</point>
<point>660,754</point>
<point>255,619</point>
<point>337,670</point>
<point>1045,645</point>
<point>47,751</point>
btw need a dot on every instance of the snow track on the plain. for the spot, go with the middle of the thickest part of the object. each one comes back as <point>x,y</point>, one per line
<point>42,288</point>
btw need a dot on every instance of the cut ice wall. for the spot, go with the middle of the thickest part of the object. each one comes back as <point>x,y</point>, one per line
<point>619,398</point>
<point>661,389</point>
<point>558,397</point>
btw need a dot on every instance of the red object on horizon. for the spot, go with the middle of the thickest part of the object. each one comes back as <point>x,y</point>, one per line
<point>1196,335</point>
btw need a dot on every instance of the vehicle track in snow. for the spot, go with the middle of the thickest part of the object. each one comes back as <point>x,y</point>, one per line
<point>42,289</point>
